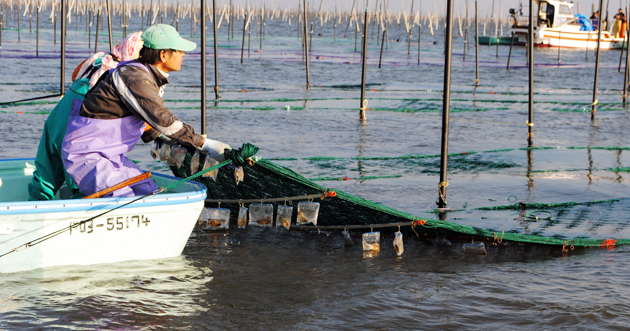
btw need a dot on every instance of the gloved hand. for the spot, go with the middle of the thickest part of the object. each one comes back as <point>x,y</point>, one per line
<point>215,149</point>
<point>166,140</point>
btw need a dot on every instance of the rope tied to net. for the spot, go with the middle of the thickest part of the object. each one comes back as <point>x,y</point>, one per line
<point>529,124</point>
<point>595,102</point>
<point>414,223</point>
<point>497,239</point>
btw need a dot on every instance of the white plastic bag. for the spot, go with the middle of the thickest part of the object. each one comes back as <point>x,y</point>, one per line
<point>194,163</point>
<point>208,163</point>
<point>165,151</point>
<point>261,214</point>
<point>239,174</point>
<point>218,219</point>
<point>177,155</point>
<point>242,217</point>
<point>307,212</point>
<point>398,244</point>
<point>372,241</point>
<point>283,217</point>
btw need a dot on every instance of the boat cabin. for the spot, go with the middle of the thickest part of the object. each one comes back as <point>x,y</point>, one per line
<point>553,14</point>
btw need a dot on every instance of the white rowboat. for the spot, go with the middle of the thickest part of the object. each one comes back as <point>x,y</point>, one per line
<point>154,227</point>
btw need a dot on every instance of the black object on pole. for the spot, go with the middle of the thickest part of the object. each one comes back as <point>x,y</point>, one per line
<point>243,42</point>
<point>380,59</point>
<point>109,24</point>
<point>308,83</point>
<point>599,41</point>
<point>446,104</point>
<point>62,83</point>
<point>363,104</point>
<point>530,61</point>
<point>476,43</point>
<point>510,53</point>
<point>203,67</point>
<point>216,56</point>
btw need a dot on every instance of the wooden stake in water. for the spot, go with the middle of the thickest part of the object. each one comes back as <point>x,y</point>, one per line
<point>419,41</point>
<point>62,83</point>
<point>308,84</point>
<point>363,104</point>
<point>18,16</point>
<point>216,56</point>
<point>627,72</point>
<point>37,34</point>
<point>98,15</point>
<point>345,35</point>
<point>109,24</point>
<point>446,104</point>
<point>530,61</point>
<point>599,40</point>
<point>383,44</point>
<point>243,42</point>
<point>203,68</point>
<point>510,54</point>
<point>1,21</point>
<point>476,43</point>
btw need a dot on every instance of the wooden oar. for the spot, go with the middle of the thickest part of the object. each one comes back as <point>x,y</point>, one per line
<point>120,185</point>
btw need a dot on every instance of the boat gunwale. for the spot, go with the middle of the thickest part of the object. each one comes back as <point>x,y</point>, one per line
<point>197,193</point>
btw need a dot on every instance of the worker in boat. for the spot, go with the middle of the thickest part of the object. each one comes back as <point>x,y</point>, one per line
<point>618,28</point>
<point>113,116</point>
<point>49,174</point>
<point>595,21</point>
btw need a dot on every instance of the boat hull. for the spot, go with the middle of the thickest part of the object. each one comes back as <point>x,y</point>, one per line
<point>151,228</point>
<point>554,37</point>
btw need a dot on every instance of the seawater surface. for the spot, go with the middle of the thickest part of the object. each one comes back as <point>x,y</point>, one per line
<point>269,279</point>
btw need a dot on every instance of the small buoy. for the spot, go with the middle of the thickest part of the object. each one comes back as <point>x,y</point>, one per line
<point>373,90</point>
<point>243,91</point>
<point>491,92</point>
<point>19,112</point>
<point>346,178</point>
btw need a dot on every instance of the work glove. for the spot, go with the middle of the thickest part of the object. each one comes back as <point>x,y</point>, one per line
<point>215,149</point>
<point>167,140</point>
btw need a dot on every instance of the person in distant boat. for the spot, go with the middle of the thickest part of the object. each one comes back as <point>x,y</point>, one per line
<point>595,20</point>
<point>50,175</point>
<point>619,27</point>
<point>113,116</point>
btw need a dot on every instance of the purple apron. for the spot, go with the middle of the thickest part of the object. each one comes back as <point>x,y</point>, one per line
<point>94,150</point>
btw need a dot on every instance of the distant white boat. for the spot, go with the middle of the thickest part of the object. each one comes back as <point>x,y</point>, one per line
<point>557,26</point>
<point>152,228</point>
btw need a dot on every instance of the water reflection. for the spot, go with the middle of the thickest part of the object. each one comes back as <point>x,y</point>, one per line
<point>102,296</point>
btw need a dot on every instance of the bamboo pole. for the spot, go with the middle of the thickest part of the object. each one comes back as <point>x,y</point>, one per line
<point>109,24</point>
<point>203,68</point>
<point>446,105</point>
<point>530,60</point>
<point>216,56</point>
<point>308,84</point>
<point>243,41</point>
<point>476,43</point>
<point>62,83</point>
<point>120,185</point>
<point>363,104</point>
<point>599,40</point>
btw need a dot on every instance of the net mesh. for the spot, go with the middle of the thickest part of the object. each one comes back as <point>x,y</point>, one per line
<point>269,180</point>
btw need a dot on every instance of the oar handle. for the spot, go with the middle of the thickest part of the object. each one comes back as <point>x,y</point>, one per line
<point>120,185</point>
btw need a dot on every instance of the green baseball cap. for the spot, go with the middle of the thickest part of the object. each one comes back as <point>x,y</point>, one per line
<point>164,36</point>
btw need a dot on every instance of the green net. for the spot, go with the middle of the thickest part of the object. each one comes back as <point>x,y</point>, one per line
<point>267,180</point>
